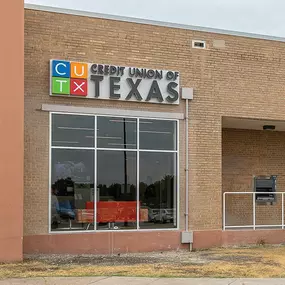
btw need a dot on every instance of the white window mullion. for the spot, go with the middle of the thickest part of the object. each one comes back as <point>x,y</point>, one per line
<point>138,175</point>
<point>49,190</point>
<point>95,175</point>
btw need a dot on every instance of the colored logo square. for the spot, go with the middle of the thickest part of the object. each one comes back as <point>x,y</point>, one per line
<point>78,87</point>
<point>60,68</point>
<point>60,85</point>
<point>79,70</point>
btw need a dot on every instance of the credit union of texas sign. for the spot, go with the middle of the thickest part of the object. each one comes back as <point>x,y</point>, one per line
<point>103,81</point>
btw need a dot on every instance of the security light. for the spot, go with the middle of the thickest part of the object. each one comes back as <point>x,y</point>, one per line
<point>268,127</point>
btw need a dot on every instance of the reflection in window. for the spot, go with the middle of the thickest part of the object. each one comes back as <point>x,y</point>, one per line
<point>75,130</point>
<point>72,187</point>
<point>117,132</point>
<point>136,184</point>
<point>157,134</point>
<point>158,189</point>
<point>116,190</point>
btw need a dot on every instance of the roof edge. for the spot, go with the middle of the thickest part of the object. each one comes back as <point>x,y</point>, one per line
<point>149,22</point>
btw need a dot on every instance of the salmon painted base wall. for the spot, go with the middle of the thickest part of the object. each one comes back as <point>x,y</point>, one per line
<point>216,238</point>
<point>124,242</point>
<point>103,243</point>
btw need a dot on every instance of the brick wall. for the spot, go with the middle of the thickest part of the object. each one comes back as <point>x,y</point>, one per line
<point>243,79</point>
<point>248,153</point>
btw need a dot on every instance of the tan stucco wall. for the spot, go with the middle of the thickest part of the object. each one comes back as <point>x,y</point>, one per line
<point>11,126</point>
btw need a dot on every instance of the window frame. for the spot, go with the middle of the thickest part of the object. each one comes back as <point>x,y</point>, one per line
<point>137,150</point>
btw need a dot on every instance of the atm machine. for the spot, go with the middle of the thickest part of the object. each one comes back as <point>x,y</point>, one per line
<point>266,184</point>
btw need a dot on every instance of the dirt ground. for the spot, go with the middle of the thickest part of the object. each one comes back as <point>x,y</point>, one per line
<point>258,261</point>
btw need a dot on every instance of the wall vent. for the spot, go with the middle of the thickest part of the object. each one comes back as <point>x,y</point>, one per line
<point>198,44</point>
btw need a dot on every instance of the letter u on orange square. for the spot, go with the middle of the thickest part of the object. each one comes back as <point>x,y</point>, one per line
<point>78,70</point>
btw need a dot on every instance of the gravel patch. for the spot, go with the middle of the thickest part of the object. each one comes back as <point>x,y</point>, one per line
<point>177,257</point>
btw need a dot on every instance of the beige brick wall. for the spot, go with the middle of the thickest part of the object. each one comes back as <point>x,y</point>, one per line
<point>244,79</point>
<point>248,153</point>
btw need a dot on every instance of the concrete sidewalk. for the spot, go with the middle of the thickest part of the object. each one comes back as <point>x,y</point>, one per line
<point>139,281</point>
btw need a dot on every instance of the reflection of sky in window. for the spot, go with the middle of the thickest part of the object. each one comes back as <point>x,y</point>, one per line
<point>154,134</point>
<point>73,130</point>
<point>76,164</point>
<point>157,134</point>
<point>116,132</point>
<point>154,167</point>
<point>68,169</point>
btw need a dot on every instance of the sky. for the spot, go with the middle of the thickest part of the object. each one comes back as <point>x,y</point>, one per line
<point>251,16</point>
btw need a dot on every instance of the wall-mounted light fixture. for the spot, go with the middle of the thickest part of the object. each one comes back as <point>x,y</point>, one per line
<point>268,127</point>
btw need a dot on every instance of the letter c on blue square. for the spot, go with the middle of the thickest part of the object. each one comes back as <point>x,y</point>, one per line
<point>60,68</point>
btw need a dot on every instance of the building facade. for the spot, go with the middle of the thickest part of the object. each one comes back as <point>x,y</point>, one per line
<point>117,159</point>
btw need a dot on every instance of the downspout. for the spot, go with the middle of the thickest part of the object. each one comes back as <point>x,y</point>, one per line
<point>187,171</point>
<point>187,236</point>
<point>186,166</point>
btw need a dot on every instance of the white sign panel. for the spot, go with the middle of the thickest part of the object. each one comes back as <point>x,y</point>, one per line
<point>110,82</point>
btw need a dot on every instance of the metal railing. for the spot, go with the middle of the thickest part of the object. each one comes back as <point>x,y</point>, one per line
<point>254,203</point>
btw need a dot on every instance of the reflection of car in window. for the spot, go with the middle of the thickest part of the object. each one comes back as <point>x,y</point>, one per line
<point>162,215</point>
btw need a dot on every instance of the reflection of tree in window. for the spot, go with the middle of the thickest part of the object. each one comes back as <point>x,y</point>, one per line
<point>155,194</point>
<point>64,187</point>
<point>115,191</point>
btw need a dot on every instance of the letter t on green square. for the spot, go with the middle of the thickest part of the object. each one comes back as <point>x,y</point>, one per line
<point>60,85</point>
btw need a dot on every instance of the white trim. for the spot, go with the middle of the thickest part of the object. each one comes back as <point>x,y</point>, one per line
<point>95,175</point>
<point>112,231</point>
<point>72,147</point>
<point>236,227</point>
<point>158,150</point>
<point>116,149</point>
<point>254,225</point>
<point>253,192</point>
<point>253,209</point>
<point>282,207</point>
<point>138,173</point>
<point>111,112</point>
<point>111,115</point>
<point>150,22</point>
<point>49,169</point>
<point>224,211</point>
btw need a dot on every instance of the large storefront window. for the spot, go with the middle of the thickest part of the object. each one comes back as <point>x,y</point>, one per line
<point>133,164</point>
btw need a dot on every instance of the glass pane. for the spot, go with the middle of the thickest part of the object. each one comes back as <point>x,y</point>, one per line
<point>158,193</point>
<point>116,190</point>
<point>116,132</point>
<point>72,189</point>
<point>157,134</point>
<point>72,130</point>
